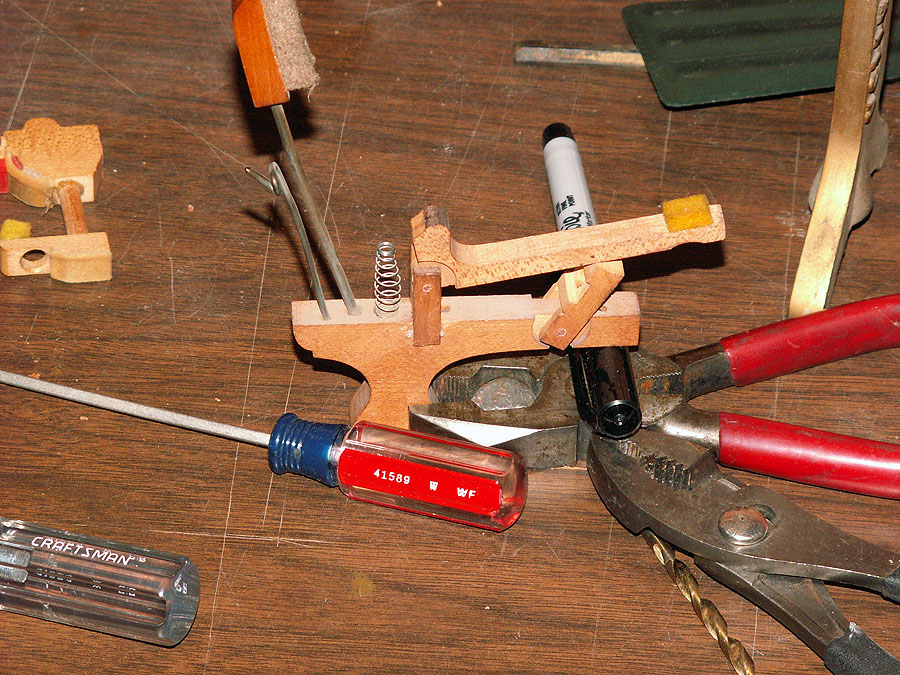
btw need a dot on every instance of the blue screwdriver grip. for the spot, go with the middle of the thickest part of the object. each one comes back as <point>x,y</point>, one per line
<point>301,447</point>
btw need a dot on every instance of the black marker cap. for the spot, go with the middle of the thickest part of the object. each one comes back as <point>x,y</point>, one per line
<point>557,130</point>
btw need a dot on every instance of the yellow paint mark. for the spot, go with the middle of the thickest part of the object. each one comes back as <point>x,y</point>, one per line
<point>687,213</point>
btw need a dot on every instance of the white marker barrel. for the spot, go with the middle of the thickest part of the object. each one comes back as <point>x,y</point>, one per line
<point>572,205</point>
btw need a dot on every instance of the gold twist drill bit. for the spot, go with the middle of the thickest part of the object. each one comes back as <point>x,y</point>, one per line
<point>708,613</point>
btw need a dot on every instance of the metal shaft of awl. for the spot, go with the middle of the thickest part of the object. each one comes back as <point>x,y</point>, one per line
<point>323,239</point>
<point>278,185</point>
<point>136,409</point>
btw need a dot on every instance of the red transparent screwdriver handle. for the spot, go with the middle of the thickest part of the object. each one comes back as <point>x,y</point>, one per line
<point>437,477</point>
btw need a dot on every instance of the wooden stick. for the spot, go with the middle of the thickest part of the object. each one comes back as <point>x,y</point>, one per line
<point>68,195</point>
<point>857,146</point>
<point>464,265</point>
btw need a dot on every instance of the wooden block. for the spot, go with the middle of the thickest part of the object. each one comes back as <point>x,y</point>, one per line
<point>580,294</point>
<point>72,258</point>
<point>426,305</point>
<point>43,154</point>
<point>464,265</point>
<point>398,373</point>
<point>257,54</point>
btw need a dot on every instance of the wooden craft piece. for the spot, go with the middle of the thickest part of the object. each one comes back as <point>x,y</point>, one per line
<point>72,258</point>
<point>578,293</point>
<point>42,154</point>
<point>426,305</point>
<point>48,165</point>
<point>398,374</point>
<point>464,265</point>
<point>857,146</point>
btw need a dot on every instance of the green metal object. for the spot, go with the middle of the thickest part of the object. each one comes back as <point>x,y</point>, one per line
<point>701,52</point>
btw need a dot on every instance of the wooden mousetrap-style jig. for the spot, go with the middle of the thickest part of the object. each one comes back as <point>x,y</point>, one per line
<point>44,165</point>
<point>400,352</point>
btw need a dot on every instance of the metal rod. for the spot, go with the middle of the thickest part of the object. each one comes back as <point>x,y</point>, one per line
<point>573,56</point>
<point>278,185</point>
<point>136,409</point>
<point>323,239</point>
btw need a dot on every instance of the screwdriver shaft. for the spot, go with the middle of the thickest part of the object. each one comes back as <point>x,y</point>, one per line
<point>136,409</point>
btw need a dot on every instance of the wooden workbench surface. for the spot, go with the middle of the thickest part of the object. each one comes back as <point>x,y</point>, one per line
<point>420,102</point>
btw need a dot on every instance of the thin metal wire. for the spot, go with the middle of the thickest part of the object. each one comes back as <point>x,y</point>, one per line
<point>136,409</point>
<point>387,279</point>
<point>278,185</point>
<point>709,614</point>
<point>323,239</point>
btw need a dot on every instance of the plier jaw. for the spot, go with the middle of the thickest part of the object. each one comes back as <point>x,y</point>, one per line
<point>752,539</point>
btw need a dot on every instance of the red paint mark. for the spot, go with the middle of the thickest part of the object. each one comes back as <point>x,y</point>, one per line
<point>17,162</point>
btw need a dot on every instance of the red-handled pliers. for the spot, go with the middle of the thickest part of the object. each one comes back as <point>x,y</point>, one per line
<point>665,385</point>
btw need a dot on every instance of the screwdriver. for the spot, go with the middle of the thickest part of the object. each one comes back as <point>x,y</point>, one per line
<point>97,584</point>
<point>447,479</point>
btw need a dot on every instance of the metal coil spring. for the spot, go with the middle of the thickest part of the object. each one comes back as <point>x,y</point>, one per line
<point>387,279</point>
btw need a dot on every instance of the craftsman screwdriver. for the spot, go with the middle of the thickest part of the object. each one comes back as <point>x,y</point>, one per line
<point>97,584</point>
<point>447,479</point>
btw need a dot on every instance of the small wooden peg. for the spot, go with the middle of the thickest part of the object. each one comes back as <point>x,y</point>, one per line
<point>426,305</point>
<point>68,196</point>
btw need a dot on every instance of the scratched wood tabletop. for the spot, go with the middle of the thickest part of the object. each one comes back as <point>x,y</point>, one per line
<point>420,103</point>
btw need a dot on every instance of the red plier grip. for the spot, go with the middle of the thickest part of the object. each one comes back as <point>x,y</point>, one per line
<point>797,453</point>
<point>809,456</point>
<point>811,340</point>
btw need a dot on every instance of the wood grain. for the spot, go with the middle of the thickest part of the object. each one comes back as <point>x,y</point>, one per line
<point>419,103</point>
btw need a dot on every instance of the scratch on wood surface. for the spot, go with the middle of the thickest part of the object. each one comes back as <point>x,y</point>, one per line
<point>796,159</point>
<point>37,42</point>
<point>237,451</point>
<point>484,108</point>
<point>602,580</point>
<point>337,155</point>
<point>662,171</point>
<point>172,287</point>
<point>246,537</point>
<point>287,399</point>
<point>281,520</point>
<point>268,494</point>
<point>31,330</point>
